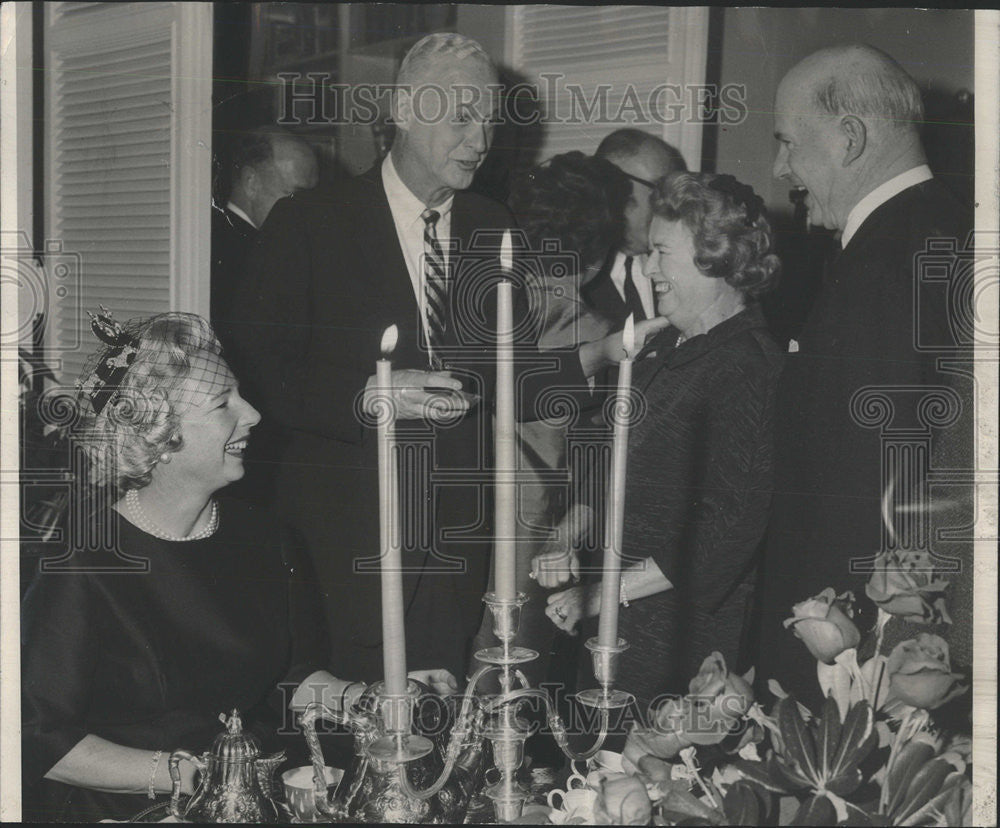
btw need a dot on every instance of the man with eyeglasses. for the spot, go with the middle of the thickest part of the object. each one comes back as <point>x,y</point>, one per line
<point>620,288</point>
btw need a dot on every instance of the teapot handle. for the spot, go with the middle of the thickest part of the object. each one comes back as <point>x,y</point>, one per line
<point>175,777</point>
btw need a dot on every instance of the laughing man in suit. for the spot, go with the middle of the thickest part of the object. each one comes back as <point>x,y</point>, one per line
<point>404,244</point>
<point>847,124</point>
<point>620,287</point>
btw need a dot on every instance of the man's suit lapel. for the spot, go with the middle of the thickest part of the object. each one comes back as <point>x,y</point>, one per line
<point>383,255</point>
<point>601,294</point>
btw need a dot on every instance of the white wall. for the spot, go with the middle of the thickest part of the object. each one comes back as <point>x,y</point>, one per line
<point>760,44</point>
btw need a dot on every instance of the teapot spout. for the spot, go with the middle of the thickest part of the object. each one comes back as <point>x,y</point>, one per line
<point>265,767</point>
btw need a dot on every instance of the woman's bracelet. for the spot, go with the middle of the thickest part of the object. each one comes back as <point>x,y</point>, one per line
<point>622,594</point>
<point>150,789</point>
<point>343,693</point>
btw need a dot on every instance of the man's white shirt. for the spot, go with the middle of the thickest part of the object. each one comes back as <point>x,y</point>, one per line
<point>879,196</point>
<point>642,283</point>
<point>406,214</point>
<point>234,209</point>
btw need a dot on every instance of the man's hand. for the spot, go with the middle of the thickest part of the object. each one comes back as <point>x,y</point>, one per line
<point>566,608</point>
<point>440,681</point>
<point>419,395</point>
<point>611,350</point>
<point>555,568</point>
<point>646,330</point>
<point>557,563</point>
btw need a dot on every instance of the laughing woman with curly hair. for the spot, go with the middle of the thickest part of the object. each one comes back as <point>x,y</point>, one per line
<point>175,605</point>
<point>700,453</point>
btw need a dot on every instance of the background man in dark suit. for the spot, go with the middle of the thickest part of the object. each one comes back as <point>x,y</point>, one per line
<point>621,288</point>
<point>265,164</point>
<point>404,244</point>
<point>846,120</point>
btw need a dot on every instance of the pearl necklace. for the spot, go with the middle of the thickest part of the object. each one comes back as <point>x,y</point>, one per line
<point>144,523</point>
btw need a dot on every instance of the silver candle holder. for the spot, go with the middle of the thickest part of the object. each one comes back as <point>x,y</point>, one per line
<point>497,719</point>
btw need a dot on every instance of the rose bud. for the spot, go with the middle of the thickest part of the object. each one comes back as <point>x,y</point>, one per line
<point>824,626</point>
<point>623,800</point>
<point>717,700</point>
<point>903,584</point>
<point>665,739</point>
<point>920,672</point>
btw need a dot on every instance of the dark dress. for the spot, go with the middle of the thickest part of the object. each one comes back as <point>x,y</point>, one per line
<point>696,499</point>
<point>149,660</point>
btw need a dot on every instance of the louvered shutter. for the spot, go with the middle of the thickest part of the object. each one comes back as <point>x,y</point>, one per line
<point>615,57</point>
<point>128,115</point>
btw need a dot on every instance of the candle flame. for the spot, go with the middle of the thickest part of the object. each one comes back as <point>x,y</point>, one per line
<point>389,339</point>
<point>628,337</point>
<point>506,253</point>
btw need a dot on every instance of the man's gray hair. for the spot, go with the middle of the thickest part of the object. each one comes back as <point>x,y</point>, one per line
<point>874,86</point>
<point>428,50</point>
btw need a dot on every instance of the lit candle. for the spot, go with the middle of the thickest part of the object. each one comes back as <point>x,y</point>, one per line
<point>504,552</point>
<point>607,631</point>
<point>393,630</point>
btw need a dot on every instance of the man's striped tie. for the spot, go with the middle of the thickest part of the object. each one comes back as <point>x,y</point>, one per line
<point>435,283</point>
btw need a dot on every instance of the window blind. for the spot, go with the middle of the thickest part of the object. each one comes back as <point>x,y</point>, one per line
<point>127,165</point>
<point>609,62</point>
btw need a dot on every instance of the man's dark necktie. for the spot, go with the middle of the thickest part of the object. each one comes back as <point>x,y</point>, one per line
<point>632,301</point>
<point>435,284</point>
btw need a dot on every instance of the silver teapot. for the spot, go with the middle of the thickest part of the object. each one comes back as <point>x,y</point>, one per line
<point>237,783</point>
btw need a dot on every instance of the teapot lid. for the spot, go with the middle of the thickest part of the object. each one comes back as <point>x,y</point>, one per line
<point>234,745</point>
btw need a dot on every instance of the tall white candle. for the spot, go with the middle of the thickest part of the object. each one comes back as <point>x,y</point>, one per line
<point>607,631</point>
<point>505,504</point>
<point>393,630</point>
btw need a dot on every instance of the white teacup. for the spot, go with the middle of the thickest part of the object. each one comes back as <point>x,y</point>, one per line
<point>608,760</point>
<point>574,802</point>
<point>300,791</point>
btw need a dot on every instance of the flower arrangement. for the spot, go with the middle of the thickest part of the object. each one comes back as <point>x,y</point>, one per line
<point>872,755</point>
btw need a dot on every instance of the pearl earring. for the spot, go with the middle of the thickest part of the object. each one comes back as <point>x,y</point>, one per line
<point>165,457</point>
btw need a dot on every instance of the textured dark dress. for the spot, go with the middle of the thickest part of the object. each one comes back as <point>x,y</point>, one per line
<point>696,499</point>
<point>149,660</point>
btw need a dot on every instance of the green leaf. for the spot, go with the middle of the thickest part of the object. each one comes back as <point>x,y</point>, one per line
<point>779,768</point>
<point>845,784</point>
<point>858,737</point>
<point>766,776</point>
<point>926,785</point>
<point>931,812</point>
<point>679,804</point>
<point>859,817</point>
<point>800,752</point>
<point>816,810</point>
<point>828,737</point>
<point>741,804</point>
<point>908,761</point>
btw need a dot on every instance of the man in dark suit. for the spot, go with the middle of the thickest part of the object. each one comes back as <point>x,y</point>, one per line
<point>854,402</point>
<point>265,164</point>
<point>621,287</point>
<point>404,244</point>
